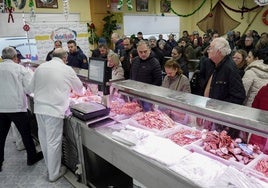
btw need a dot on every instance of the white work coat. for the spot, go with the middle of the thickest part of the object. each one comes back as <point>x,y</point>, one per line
<point>14,78</point>
<point>51,85</point>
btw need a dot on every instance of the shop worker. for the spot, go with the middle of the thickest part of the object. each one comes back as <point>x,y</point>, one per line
<point>76,57</point>
<point>14,78</point>
<point>51,100</point>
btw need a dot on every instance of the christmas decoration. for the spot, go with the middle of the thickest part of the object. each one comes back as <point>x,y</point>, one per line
<point>187,15</point>
<point>165,6</point>
<point>9,9</point>
<point>129,4</point>
<point>242,10</point>
<point>120,4</point>
<point>66,8</point>
<point>264,17</point>
<point>219,19</point>
<point>261,2</point>
<point>210,14</point>
<point>20,5</point>
<point>31,5</point>
<point>92,38</point>
<point>26,27</point>
<point>2,7</point>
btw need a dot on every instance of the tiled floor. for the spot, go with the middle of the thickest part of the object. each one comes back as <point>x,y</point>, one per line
<point>16,173</point>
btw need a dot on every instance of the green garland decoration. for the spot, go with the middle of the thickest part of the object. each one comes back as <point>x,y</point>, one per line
<point>31,4</point>
<point>187,15</point>
<point>8,3</point>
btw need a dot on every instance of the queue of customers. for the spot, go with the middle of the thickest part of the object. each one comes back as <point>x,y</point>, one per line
<point>231,73</point>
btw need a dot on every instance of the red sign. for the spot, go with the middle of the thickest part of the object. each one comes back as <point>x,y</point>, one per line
<point>26,27</point>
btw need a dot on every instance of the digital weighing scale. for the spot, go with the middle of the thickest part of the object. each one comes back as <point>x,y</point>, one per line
<point>89,110</point>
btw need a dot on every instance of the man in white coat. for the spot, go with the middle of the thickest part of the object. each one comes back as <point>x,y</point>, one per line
<point>51,85</point>
<point>14,78</point>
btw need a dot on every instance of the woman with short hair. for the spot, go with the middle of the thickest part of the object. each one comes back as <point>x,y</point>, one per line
<point>115,64</point>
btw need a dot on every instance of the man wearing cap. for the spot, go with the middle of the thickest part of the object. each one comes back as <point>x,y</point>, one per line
<point>96,51</point>
<point>19,55</point>
<point>156,51</point>
<point>118,43</point>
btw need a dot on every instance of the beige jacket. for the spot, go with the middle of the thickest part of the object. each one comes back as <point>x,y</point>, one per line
<point>179,83</point>
<point>256,76</point>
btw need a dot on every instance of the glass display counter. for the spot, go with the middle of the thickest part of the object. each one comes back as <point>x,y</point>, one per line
<point>152,173</point>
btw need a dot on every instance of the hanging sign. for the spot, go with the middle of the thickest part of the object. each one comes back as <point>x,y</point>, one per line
<point>64,34</point>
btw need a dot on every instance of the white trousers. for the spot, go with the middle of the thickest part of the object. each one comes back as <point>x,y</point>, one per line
<point>50,130</point>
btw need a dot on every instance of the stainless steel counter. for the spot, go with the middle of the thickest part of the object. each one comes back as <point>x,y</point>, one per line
<point>145,170</point>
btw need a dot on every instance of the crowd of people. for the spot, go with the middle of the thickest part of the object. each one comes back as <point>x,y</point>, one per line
<point>232,69</point>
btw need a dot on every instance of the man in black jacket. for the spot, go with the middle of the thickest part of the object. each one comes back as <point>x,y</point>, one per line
<point>76,57</point>
<point>125,58</point>
<point>146,68</point>
<point>223,81</point>
<point>157,52</point>
<point>118,43</point>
